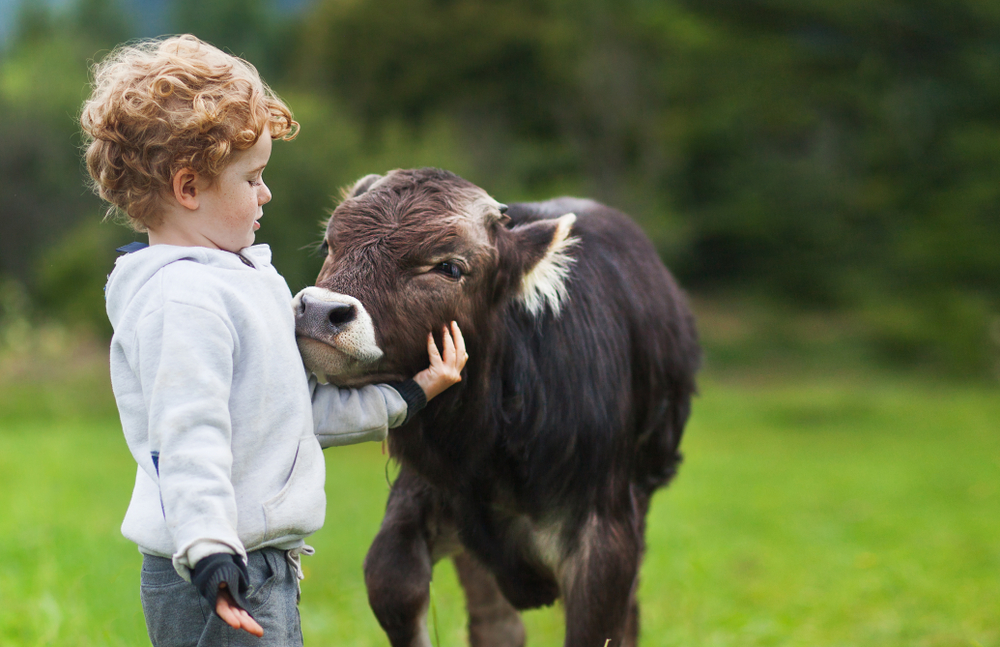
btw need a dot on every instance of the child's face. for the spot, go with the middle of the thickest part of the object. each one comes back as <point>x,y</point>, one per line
<point>233,203</point>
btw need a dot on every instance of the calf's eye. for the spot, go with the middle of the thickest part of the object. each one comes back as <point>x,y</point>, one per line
<point>450,270</point>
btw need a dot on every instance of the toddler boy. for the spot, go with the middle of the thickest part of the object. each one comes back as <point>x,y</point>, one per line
<point>214,401</point>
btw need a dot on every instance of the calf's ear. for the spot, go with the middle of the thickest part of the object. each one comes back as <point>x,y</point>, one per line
<point>537,261</point>
<point>361,185</point>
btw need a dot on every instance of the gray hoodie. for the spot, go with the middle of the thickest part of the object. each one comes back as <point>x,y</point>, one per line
<point>215,405</point>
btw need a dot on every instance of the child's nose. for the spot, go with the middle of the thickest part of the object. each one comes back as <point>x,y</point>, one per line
<point>264,195</point>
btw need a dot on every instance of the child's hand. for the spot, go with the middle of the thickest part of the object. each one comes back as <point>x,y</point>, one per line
<point>443,372</point>
<point>234,615</point>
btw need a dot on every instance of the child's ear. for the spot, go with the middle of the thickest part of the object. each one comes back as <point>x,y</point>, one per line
<point>186,188</point>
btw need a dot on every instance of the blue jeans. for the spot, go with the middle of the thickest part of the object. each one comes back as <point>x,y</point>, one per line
<point>177,616</point>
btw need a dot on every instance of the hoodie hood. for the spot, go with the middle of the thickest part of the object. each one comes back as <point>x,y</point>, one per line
<point>133,270</point>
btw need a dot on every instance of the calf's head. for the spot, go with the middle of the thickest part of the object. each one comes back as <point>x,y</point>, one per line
<point>410,251</point>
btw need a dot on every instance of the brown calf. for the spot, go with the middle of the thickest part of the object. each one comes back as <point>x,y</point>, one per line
<point>534,474</point>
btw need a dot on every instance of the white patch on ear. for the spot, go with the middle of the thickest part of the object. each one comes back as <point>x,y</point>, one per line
<point>545,284</point>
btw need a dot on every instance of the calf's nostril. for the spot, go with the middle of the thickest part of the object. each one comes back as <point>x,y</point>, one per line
<point>341,313</point>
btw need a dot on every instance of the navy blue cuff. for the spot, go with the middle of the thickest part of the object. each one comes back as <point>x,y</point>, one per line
<point>413,395</point>
<point>217,568</point>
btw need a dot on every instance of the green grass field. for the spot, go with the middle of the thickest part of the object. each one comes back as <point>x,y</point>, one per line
<point>815,512</point>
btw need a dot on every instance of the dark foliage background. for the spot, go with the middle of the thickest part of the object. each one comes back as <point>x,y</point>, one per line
<point>829,163</point>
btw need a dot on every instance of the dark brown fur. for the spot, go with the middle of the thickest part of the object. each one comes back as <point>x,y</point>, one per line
<point>536,471</point>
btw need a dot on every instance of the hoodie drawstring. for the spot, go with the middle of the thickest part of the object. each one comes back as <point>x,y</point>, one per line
<point>294,558</point>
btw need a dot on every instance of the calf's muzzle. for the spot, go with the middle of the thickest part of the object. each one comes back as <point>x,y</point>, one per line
<point>335,333</point>
<point>316,317</point>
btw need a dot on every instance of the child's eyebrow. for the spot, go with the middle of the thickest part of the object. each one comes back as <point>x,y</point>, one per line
<point>258,168</point>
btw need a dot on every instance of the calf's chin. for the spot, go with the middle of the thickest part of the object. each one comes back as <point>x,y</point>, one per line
<point>336,367</point>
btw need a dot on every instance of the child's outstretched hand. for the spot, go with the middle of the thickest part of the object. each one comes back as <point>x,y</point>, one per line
<point>447,370</point>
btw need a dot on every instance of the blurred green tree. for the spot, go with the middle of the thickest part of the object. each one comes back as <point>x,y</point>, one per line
<point>252,29</point>
<point>832,156</point>
<point>835,155</point>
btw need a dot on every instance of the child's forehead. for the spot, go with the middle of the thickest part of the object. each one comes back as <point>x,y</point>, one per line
<point>256,156</point>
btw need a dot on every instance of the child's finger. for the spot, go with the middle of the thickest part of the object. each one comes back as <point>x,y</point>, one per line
<point>225,612</point>
<point>236,616</point>
<point>432,350</point>
<point>449,347</point>
<point>226,609</point>
<point>463,355</point>
<point>248,624</point>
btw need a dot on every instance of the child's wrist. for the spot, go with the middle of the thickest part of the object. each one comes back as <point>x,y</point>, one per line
<point>427,384</point>
<point>413,395</point>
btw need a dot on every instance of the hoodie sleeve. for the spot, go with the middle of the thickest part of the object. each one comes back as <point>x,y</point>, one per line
<point>186,356</point>
<point>348,416</point>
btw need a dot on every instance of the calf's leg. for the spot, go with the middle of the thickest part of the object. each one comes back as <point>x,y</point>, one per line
<point>599,584</point>
<point>398,567</point>
<point>640,508</point>
<point>631,637</point>
<point>493,622</point>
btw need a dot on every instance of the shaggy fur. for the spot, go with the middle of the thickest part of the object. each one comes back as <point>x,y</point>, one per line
<point>535,472</point>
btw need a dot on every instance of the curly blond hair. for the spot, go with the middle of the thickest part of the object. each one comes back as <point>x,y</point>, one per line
<point>159,106</point>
